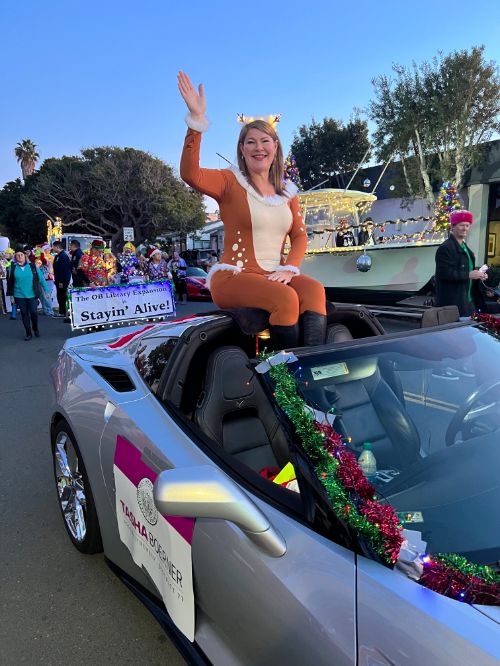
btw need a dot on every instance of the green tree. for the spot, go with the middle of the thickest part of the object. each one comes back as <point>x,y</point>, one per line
<point>27,155</point>
<point>17,222</point>
<point>108,188</point>
<point>435,116</point>
<point>328,149</point>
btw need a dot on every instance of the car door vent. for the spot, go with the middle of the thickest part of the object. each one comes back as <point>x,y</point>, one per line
<point>116,378</point>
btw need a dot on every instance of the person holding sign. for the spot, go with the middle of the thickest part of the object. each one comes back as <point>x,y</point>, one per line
<point>259,212</point>
<point>127,264</point>
<point>93,266</point>
<point>157,268</point>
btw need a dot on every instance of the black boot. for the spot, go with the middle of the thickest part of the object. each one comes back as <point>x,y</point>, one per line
<point>313,328</point>
<point>284,337</point>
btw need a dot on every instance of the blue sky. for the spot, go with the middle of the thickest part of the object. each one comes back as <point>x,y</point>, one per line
<point>94,73</point>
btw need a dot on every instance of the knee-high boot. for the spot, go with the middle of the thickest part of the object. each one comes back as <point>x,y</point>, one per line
<point>313,328</point>
<point>284,337</point>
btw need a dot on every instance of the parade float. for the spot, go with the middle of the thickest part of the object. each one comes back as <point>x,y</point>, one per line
<point>396,266</point>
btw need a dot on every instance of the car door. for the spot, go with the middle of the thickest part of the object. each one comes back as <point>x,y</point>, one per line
<point>250,606</point>
<point>400,622</point>
<point>253,608</point>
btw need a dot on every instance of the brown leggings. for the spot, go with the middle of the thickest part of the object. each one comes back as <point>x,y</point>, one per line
<point>284,302</point>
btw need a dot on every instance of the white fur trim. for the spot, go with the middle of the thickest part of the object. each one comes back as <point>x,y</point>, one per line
<point>274,200</point>
<point>156,251</point>
<point>221,267</point>
<point>197,125</point>
<point>292,269</point>
<point>291,189</point>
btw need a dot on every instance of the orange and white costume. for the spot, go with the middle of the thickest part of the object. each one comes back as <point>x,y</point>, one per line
<point>255,230</point>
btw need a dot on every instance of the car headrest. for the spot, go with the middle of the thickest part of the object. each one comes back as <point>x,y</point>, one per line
<point>448,314</point>
<point>338,333</point>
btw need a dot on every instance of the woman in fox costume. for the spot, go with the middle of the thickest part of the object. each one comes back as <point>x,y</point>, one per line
<point>259,211</point>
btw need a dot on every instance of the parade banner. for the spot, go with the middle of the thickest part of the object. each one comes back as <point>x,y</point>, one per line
<point>116,304</point>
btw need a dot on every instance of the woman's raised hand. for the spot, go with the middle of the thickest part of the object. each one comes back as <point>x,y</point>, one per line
<point>195,101</point>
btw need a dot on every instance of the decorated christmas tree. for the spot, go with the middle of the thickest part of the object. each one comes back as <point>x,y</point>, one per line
<point>291,170</point>
<point>448,201</point>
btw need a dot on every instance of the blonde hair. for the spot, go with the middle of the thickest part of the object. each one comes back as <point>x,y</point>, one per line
<point>276,170</point>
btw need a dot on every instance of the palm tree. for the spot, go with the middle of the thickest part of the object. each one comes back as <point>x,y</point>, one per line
<point>26,154</point>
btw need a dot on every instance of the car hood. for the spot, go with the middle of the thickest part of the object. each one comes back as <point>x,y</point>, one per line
<point>493,612</point>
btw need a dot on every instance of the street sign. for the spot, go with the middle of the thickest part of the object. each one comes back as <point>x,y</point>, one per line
<point>128,233</point>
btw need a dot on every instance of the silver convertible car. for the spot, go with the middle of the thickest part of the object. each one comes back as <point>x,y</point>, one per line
<point>167,439</point>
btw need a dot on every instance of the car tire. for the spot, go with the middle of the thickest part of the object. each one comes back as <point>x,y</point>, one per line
<point>74,492</point>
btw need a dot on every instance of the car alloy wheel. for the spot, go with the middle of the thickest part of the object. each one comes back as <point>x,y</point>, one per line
<point>74,492</point>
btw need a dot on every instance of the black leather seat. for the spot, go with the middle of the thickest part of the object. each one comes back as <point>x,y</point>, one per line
<point>234,411</point>
<point>369,410</point>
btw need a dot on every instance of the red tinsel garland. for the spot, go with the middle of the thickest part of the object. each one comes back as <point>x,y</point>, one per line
<point>445,574</point>
<point>351,477</point>
<point>354,498</point>
<point>446,579</point>
<point>490,322</point>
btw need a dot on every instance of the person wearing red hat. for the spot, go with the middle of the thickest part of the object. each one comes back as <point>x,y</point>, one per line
<point>157,268</point>
<point>456,277</point>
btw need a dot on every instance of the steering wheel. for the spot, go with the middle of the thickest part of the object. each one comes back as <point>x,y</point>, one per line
<point>458,419</point>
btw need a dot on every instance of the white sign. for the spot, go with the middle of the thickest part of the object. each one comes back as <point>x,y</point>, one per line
<point>128,234</point>
<point>159,544</point>
<point>120,303</point>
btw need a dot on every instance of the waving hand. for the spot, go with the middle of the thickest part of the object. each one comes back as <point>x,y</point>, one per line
<point>195,101</point>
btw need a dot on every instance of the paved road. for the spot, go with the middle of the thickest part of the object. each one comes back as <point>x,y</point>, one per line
<point>56,605</point>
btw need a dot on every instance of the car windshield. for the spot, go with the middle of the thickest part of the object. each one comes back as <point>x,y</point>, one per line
<point>429,405</point>
<point>192,271</point>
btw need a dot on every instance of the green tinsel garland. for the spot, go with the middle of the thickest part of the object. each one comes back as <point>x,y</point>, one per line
<point>467,568</point>
<point>445,573</point>
<point>325,465</point>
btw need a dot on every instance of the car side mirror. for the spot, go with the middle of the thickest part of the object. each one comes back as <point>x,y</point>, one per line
<point>206,492</point>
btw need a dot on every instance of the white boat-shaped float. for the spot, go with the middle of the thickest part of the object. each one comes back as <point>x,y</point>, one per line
<point>400,263</point>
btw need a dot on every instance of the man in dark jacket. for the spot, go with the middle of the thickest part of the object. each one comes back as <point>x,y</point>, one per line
<point>455,273</point>
<point>79,277</point>
<point>365,236</point>
<point>62,276</point>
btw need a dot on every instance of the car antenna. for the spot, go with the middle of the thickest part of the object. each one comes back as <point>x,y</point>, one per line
<point>225,159</point>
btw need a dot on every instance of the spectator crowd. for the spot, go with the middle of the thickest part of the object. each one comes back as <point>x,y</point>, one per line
<point>36,279</point>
